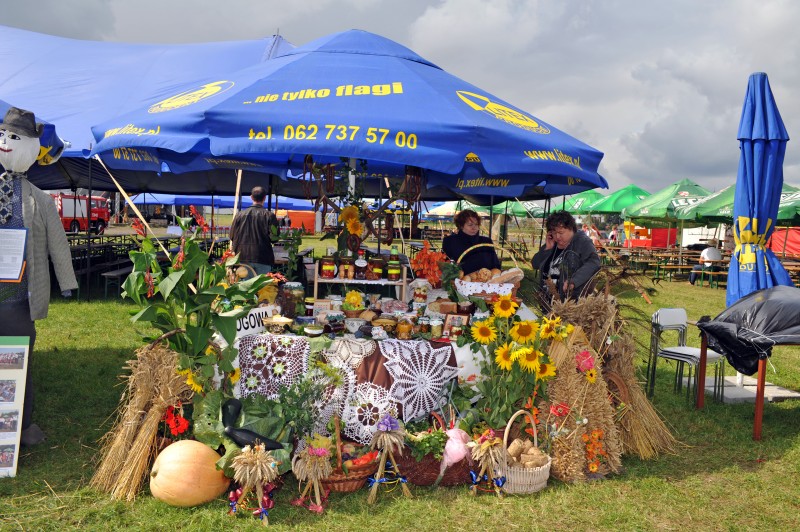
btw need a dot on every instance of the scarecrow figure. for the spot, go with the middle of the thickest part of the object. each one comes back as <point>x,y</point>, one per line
<point>25,207</point>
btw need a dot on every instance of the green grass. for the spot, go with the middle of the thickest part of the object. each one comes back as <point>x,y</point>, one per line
<point>720,479</point>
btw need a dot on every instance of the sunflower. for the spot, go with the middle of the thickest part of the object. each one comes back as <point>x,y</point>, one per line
<point>564,332</point>
<point>550,327</point>
<point>505,307</point>
<point>528,358</point>
<point>191,380</point>
<point>354,299</point>
<point>236,375</point>
<point>591,375</point>
<point>546,370</point>
<point>484,332</point>
<point>503,358</point>
<point>593,467</point>
<point>524,331</point>
<point>348,213</point>
<point>354,227</point>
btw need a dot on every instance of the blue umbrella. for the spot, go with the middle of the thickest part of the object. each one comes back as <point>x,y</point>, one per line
<point>352,95</point>
<point>762,137</point>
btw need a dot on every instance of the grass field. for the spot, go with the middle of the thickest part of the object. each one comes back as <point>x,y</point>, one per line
<point>719,480</point>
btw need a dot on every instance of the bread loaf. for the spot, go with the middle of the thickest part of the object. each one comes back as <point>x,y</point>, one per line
<point>514,275</point>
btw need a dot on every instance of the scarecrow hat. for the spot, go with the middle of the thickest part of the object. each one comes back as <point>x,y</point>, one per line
<point>22,121</point>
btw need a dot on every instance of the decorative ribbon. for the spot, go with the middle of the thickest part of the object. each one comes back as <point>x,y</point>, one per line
<point>499,482</point>
<point>476,479</point>
<point>233,506</point>
<point>385,480</point>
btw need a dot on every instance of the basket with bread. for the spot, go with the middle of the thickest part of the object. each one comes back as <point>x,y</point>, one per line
<point>486,283</point>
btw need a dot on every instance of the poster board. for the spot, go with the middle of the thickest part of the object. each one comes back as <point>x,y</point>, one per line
<point>13,366</point>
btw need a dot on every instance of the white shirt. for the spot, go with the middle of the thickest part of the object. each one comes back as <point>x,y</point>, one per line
<point>710,254</point>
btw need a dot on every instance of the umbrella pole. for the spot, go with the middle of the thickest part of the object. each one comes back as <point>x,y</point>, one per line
<point>759,414</point>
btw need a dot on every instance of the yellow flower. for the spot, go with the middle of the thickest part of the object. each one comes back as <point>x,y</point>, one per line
<point>593,466</point>
<point>503,358</point>
<point>591,375</point>
<point>550,327</point>
<point>210,351</point>
<point>546,370</point>
<point>528,358</point>
<point>354,227</point>
<point>348,213</point>
<point>191,380</point>
<point>505,307</point>
<point>354,299</point>
<point>484,332</point>
<point>269,293</point>
<point>524,331</point>
<point>236,375</point>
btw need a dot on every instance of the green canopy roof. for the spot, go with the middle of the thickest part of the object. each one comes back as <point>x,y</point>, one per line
<point>660,208</point>
<point>579,203</point>
<point>522,209</point>
<point>615,202</point>
<point>717,208</point>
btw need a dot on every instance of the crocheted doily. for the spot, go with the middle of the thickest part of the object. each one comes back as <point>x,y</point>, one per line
<point>367,405</point>
<point>419,372</point>
<point>335,397</point>
<point>350,351</point>
<point>269,361</point>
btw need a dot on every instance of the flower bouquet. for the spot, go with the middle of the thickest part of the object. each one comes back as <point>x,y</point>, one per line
<point>426,264</point>
<point>514,365</point>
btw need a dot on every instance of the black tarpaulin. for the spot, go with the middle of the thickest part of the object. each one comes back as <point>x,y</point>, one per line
<point>746,331</point>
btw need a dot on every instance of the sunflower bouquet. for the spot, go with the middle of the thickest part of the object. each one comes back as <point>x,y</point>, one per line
<point>352,233</point>
<point>514,364</point>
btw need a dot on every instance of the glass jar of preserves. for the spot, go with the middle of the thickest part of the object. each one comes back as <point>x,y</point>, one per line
<point>309,306</point>
<point>327,267</point>
<point>436,328</point>
<point>375,269</point>
<point>403,329</point>
<point>360,266</point>
<point>393,270</point>
<point>394,255</point>
<point>293,298</point>
<point>424,324</point>
<point>346,268</point>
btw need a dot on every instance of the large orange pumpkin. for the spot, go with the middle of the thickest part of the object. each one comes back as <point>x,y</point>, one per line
<point>185,474</point>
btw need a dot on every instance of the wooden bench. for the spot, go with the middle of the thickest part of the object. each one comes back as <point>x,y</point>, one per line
<point>713,277</point>
<point>115,277</point>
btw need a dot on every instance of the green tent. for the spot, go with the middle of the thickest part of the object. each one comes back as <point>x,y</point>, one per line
<point>789,206</point>
<point>579,203</point>
<point>521,209</point>
<point>615,202</point>
<point>659,210</point>
<point>717,208</point>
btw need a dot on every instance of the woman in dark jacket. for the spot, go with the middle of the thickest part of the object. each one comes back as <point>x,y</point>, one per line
<point>468,224</point>
<point>568,258</point>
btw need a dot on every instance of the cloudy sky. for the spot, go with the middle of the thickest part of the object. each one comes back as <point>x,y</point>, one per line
<point>657,86</point>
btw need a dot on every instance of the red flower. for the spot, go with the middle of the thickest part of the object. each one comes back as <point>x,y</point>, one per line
<point>180,426</point>
<point>559,409</point>
<point>148,279</point>
<point>225,256</point>
<point>198,218</point>
<point>584,361</point>
<point>139,227</point>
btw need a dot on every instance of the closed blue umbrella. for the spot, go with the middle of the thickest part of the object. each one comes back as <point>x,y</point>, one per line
<point>762,137</point>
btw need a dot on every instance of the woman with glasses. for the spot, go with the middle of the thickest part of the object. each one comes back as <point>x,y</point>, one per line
<point>568,260</point>
<point>468,224</point>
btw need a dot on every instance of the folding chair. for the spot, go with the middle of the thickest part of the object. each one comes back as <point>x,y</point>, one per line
<point>675,319</point>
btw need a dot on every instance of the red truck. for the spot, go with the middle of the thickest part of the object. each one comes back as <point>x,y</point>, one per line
<point>72,210</point>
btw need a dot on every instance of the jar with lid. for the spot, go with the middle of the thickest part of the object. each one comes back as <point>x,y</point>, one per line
<point>403,329</point>
<point>375,269</point>
<point>436,328</point>
<point>293,297</point>
<point>393,270</point>
<point>424,324</point>
<point>346,268</point>
<point>310,306</point>
<point>394,255</point>
<point>336,302</point>
<point>360,266</point>
<point>327,267</point>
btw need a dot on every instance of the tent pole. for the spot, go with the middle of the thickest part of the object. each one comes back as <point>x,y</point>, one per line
<point>89,235</point>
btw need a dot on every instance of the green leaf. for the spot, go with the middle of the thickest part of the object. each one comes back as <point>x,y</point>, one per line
<point>226,326</point>
<point>207,419</point>
<point>168,284</point>
<point>198,338</point>
<point>148,313</point>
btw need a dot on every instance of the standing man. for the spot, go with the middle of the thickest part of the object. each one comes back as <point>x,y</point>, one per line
<point>25,207</point>
<point>252,231</point>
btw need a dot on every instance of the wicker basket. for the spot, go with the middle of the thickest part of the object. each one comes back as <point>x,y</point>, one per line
<point>487,295</point>
<point>426,471</point>
<point>523,479</point>
<point>353,313</point>
<point>355,478</point>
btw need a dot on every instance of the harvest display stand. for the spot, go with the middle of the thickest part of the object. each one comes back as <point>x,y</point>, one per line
<point>402,283</point>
